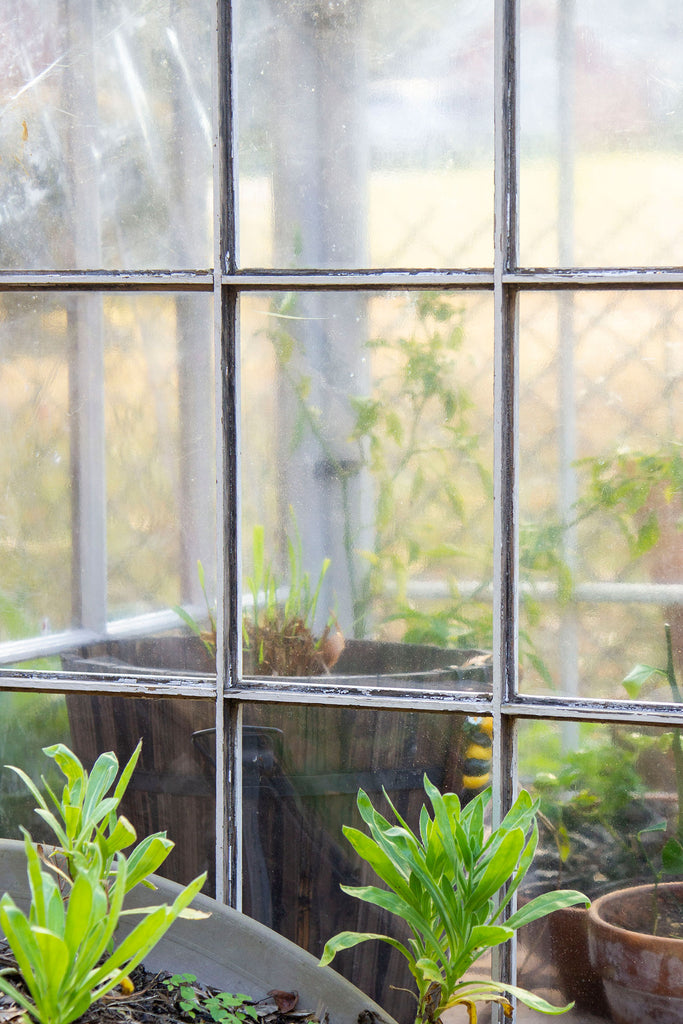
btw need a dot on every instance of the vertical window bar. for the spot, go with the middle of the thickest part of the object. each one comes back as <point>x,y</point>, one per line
<point>85,331</point>
<point>228,740</point>
<point>505,428</point>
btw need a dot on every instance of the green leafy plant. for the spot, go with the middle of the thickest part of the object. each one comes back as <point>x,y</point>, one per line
<point>84,819</point>
<point>64,946</point>
<point>623,485</point>
<point>279,627</point>
<point>223,1007</point>
<point>451,885</point>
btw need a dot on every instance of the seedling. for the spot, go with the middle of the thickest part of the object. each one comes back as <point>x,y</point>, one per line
<point>451,885</point>
<point>64,947</point>
<point>223,1007</point>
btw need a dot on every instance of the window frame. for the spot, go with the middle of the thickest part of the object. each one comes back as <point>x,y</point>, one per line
<point>226,282</point>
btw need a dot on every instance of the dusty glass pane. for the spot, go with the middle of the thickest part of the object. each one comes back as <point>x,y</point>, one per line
<point>108,474</point>
<point>159,431</point>
<point>36,542</point>
<point>601,483</point>
<point>106,137</point>
<point>609,821</point>
<point>303,768</point>
<point>172,788</point>
<point>367,447</point>
<point>601,127</point>
<point>366,133</point>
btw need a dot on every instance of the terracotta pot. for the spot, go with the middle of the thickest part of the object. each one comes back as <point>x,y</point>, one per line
<point>642,973</point>
<point>569,950</point>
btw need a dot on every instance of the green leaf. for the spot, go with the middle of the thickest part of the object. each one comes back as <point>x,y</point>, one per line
<point>380,861</point>
<point>672,857</point>
<point>30,785</point>
<point>637,678</point>
<point>544,904</point>
<point>121,837</point>
<point>346,940</point>
<point>147,856</point>
<point>499,868</point>
<point>429,970</point>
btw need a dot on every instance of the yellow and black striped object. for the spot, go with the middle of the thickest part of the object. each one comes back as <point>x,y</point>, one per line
<point>476,771</point>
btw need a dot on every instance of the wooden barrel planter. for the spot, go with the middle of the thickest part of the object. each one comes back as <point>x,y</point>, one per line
<point>302,768</point>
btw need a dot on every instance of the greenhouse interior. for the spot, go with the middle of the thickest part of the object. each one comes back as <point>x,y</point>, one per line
<point>341,533</point>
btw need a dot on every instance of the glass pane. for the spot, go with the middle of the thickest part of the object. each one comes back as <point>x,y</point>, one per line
<point>172,787</point>
<point>366,133</point>
<point>601,489</point>
<point>601,117</point>
<point>36,548</point>
<point>367,445</point>
<point>609,807</point>
<point>106,142</point>
<point>108,475</point>
<point>300,787</point>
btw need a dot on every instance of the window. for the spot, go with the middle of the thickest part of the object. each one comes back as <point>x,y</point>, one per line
<point>371,305</point>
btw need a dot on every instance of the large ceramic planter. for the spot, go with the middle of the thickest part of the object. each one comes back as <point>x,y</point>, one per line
<point>228,950</point>
<point>642,973</point>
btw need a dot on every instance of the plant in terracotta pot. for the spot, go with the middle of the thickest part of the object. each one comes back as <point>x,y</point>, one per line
<point>278,629</point>
<point>451,884</point>
<point>636,934</point>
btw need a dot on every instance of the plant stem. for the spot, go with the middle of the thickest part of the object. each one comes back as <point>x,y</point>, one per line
<point>676,745</point>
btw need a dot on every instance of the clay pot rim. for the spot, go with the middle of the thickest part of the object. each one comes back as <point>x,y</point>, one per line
<point>644,939</point>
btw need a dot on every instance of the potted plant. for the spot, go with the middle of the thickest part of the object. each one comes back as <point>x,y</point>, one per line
<point>636,934</point>
<point>78,942</point>
<point>451,885</point>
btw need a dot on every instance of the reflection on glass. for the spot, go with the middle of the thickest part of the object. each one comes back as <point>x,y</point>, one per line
<point>172,788</point>
<point>106,142</point>
<point>609,808</point>
<point>302,770</point>
<point>367,476</point>
<point>366,133</point>
<point>30,721</point>
<point>601,488</point>
<point>108,476</point>
<point>601,117</point>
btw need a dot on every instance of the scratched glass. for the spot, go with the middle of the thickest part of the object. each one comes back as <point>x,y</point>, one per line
<point>366,133</point>
<point>601,139</point>
<point>105,139</point>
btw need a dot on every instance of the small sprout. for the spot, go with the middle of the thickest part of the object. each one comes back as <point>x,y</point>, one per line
<point>223,1007</point>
